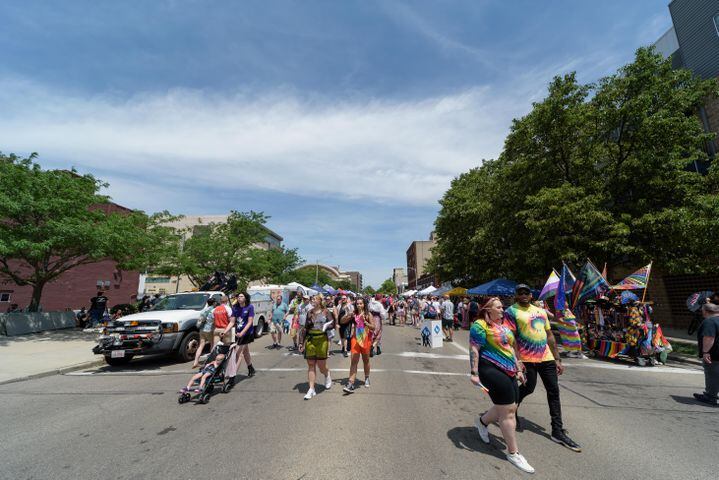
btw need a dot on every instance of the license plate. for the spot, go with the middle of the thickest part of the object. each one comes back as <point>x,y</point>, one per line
<point>117,354</point>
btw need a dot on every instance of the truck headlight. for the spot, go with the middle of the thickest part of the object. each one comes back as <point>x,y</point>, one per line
<point>170,327</point>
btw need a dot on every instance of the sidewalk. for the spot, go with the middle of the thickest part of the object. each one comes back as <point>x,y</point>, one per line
<point>39,354</point>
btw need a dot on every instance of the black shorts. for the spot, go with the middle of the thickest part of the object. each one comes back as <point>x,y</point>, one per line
<point>247,339</point>
<point>503,389</point>
<point>345,330</point>
<point>447,323</point>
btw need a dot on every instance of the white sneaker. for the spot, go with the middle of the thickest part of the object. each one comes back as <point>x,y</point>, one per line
<point>482,430</point>
<point>328,381</point>
<point>310,393</point>
<point>366,382</point>
<point>520,462</point>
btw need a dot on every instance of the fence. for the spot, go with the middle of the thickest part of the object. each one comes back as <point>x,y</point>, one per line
<point>21,323</point>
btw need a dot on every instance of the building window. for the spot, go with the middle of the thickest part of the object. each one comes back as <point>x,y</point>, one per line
<point>716,23</point>
<point>4,297</point>
<point>157,280</point>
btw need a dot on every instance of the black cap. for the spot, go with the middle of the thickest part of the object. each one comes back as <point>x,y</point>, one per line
<point>522,286</point>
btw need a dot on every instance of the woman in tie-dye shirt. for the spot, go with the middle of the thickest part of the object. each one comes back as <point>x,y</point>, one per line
<point>494,365</point>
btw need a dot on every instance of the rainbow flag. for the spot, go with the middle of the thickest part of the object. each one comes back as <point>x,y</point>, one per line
<point>550,287</point>
<point>607,348</point>
<point>590,284</point>
<point>635,281</point>
<point>568,332</point>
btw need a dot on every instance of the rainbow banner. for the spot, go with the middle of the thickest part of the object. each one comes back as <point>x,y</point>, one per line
<point>568,332</point>
<point>635,281</point>
<point>607,348</point>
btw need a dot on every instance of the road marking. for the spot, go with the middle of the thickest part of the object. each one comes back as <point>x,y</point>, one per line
<point>461,348</point>
<point>609,366</point>
<point>428,355</point>
<point>150,373</point>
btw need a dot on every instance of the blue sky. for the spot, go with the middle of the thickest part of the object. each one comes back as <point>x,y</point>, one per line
<point>344,121</point>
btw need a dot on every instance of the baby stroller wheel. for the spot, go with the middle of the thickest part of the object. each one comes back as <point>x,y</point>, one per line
<point>181,399</point>
<point>205,398</point>
<point>226,388</point>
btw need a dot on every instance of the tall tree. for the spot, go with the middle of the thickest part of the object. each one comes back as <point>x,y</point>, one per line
<point>388,287</point>
<point>52,221</point>
<point>605,171</point>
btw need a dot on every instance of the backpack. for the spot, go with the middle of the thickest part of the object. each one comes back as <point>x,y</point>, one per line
<point>430,312</point>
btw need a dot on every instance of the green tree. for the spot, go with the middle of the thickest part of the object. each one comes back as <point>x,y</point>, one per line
<point>368,290</point>
<point>52,221</point>
<point>604,171</point>
<point>388,287</point>
<point>305,275</point>
<point>233,247</point>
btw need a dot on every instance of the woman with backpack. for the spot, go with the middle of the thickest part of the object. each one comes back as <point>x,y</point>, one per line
<point>314,342</point>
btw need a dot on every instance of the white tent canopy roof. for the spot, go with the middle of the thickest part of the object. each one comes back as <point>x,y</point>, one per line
<point>427,290</point>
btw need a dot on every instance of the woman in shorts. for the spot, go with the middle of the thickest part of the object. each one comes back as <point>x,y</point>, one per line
<point>496,368</point>
<point>315,343</point>
<point>244,313</point>
<point>360,341</point>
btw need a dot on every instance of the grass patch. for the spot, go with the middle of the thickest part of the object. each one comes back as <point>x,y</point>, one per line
<point>685,349</point>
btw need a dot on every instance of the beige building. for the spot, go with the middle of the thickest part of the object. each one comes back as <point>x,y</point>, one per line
<point>164,284</point>
<point>418,253</point>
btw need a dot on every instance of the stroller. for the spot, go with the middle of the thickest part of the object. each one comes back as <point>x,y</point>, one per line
<point>221,379</point>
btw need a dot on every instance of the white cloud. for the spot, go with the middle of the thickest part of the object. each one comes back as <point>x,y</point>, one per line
<point>399,151</point>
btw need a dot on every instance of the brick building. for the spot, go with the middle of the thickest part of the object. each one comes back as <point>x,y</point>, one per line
<point>418,253</point>
<point>74,288</point>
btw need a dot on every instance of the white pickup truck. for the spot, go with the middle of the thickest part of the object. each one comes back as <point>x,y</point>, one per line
<point>170,327</point>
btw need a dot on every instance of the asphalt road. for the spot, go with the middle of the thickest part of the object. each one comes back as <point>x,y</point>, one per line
<point>415,422</point>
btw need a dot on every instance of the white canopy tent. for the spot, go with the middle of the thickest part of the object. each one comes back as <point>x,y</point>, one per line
<point>427,291</point>
<point>409,293</point>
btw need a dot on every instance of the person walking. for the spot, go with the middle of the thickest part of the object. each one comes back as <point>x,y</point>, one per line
<point>709,352</point>
<point>379,315</point>
<point>362,325</point>
<point>345,310</point>
<point>447,309</point>
<point>206,324</point>
<point>314,342</point>
<point>224,327</point>
<point>244,312</point>
<point>495,367</point>
<point>279,310</point>
<point>402,312</point>
<point>538,352</point>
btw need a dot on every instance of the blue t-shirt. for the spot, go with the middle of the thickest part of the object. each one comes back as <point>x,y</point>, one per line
<point>279,312</point>
<point>242,316</point>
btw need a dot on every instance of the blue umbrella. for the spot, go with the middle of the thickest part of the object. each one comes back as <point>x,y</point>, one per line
<point>628,297</point>
<point>318,288</point>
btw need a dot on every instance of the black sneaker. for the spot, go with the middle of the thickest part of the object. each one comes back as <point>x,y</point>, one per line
<point>344,354</point>
<point>250,371</point>
<point>702,397</point>
<point>562,439</point>
<point>379,350</point>
<point>371,351</point>
<point>350,388</point>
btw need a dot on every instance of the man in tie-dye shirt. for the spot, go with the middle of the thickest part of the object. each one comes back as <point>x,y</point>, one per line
<point>539,355</point>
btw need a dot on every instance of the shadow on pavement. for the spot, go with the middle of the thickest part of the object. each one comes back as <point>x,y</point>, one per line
<point>687,400</point>
<point>467,438</point>
<point>534,428</point>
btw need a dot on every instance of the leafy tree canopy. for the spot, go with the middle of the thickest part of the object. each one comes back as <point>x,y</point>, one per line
<point>388,287</point>
<point>606,171</point>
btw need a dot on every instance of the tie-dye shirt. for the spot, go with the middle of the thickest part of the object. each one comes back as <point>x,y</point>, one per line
<point>530,326</point>
<point>495,343</point>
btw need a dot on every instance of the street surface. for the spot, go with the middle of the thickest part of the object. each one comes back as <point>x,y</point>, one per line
<point>415,422</point>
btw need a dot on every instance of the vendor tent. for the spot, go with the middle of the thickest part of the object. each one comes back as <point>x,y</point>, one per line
<point>318,289</point>
<point>329,289</point>
<point>457,292</point>
<point>499,286</point>
<point>427,290</point>
<point>409,293</point>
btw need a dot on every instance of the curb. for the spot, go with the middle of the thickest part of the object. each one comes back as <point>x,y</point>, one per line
<point>57,371</point>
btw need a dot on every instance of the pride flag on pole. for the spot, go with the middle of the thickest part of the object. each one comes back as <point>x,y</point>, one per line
<point>550,288</point>
<point>590,284</point>
<point>635,281</point>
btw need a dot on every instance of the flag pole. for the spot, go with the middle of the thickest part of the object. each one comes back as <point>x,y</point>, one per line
<point>646,287</point>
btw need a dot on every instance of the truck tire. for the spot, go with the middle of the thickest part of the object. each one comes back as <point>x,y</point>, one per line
<point>260,327</point>
<point>188,347</point>
<point>116,362</point>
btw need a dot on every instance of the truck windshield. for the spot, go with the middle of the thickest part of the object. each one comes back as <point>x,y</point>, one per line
<point>192,301</point>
